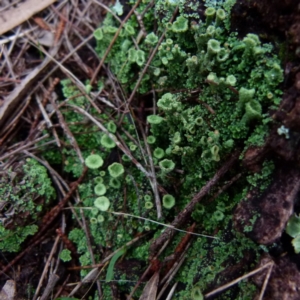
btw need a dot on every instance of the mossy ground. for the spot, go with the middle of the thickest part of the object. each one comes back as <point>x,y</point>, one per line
<point>207,93</point>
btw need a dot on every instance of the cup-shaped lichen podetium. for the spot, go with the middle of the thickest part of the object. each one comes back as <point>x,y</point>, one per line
<point>115,170</point>
<point>168,201</point>
<point>100,189</point>
<point>213,47</point>
<point>154,119</point>
<point>166,165</point>
<point>107,142</point>
<point>102,203</point>
<point>94,161</point>
<point>159,153</point>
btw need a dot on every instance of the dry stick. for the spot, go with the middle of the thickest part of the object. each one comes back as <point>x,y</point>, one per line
<point>173,271</point>
<point>47,122</point>
<point>46,268</point>
<point>263,289</point>
<point>47,222</point>
<point>68,244</point>
<point>113,41</point>
<point>17,15</point>
<point>226,286</point>
<point>67,131</point>
<point>70,75</point>
<point>21,90</point>
<point>186,212</point>
<point>153,181</point>
<point>61,287</point>
<point>180,248</point>
<point>77,58</point>
<point>37,115</point>
<point>23,147</point>
<point>41,105</point>
<point>50,286</point>
<point>11,126</point>
<point>89,246</point>
<point>225,187</point>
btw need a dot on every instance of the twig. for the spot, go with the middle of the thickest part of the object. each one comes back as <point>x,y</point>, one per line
<point>265,282</point>
<point>59,181</point>
<point>17,15</point>
<point>50,286</point>
<point>23,147</point>
<point>68,244</point>
<point>171,227</point>
<point>153,180</point>
<point>89,247</point>
<point>41,105</point>
<point>180,248</point>
<point>61,287</point>
<point>225,187</point>
<point>54,247</point>
<point>226,286</point>
<point>67,130</point>
<point>186,212</point>
<point>173,271</point>
<point>21,90</point>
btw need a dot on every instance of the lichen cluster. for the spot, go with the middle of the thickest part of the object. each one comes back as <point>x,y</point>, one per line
<point>24,190</point>
<point>214,92</point>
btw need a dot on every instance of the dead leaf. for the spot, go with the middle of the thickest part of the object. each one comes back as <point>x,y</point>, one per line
<point>15,16</point>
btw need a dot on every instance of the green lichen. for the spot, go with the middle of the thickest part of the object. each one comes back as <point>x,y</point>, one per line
<point>24,189</point>
<point>213,94</point>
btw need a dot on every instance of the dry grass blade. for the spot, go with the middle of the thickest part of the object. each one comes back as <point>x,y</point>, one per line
<point>46,268</point>
<point>172,291</point>
<point>173,271</point>
<point>13,99</point>
<point>150,290</point>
